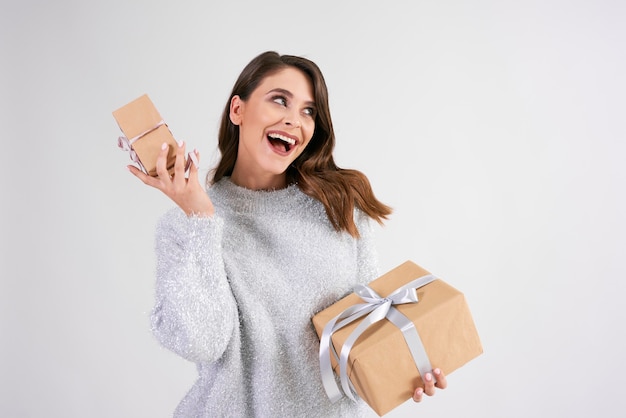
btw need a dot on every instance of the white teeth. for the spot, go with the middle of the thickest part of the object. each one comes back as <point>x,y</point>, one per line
<point>282,138</point>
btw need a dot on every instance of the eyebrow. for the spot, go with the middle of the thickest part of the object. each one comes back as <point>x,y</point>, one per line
<point>289,94</point>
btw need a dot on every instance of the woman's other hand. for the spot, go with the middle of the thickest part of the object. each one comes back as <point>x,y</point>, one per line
<point>186,192</point>
<point>430,386</point>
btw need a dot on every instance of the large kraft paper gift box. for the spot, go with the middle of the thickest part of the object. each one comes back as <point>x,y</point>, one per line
<point>380,365</point>
<point>144,134</point>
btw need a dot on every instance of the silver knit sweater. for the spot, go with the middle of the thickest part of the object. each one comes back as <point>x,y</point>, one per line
<point>235,294</point>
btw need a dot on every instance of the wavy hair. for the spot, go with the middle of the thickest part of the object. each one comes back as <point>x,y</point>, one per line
<point>314,171</point>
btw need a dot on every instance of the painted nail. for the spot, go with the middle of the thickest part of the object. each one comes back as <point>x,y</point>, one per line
<point>180,143</point>
<point>418,393</point>
<point>437,372</point>
<point>428,377</point>
<point>164,146</point>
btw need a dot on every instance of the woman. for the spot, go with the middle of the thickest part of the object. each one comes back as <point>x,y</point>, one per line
<point>281,234</point>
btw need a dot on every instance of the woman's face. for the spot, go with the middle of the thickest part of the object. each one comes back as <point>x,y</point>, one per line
<point>276,124</point>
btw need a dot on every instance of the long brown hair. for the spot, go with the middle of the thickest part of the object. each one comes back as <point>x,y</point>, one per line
<point>314,171</point>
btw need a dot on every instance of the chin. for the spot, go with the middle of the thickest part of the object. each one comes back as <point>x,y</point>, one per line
<point>278,168</point>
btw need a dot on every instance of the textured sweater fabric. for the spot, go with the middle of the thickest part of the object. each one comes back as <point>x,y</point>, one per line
<point>235,294</point>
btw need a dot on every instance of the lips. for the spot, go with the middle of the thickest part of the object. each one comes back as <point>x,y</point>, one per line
<point>282,142</point>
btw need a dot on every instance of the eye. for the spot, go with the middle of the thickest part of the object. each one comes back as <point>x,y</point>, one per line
<point>279,100</point>
<point>309,111</point>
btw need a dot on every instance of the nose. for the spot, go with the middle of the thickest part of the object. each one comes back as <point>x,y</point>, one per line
<point>293,119</point>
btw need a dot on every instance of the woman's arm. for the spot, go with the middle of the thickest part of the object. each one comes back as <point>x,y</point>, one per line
<point>195,312</point>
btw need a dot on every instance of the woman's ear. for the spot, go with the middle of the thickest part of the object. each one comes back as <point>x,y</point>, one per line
<point>236,110</point>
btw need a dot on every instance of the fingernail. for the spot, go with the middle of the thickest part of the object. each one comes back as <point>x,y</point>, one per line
<point>164,146</point>
<point>428,377</point>
<point>418,393</point>
<point>180,144</point>
<point>437,372</point>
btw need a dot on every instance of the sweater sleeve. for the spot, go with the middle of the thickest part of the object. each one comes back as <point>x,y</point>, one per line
<point>195,313</point>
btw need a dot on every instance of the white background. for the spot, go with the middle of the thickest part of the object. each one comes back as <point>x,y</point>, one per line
<point>496,129</point>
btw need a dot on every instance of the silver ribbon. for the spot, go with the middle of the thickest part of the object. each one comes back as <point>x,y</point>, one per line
<point>376,308</point>
<point>127,144</point>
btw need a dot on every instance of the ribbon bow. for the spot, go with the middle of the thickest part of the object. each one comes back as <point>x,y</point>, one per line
<point>376,308</point>
<point>126,144</point>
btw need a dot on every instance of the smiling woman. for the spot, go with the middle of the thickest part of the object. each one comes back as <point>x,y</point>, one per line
<point>278,221</point>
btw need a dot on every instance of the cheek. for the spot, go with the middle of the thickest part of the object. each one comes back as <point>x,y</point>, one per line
<point>308,130</point>
<point>307,143</point>
<point>261,116</point>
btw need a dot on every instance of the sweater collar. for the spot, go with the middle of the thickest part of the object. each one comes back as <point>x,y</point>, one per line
<point>241,199</point>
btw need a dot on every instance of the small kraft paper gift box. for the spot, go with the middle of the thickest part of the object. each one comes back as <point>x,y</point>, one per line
<point>144,134</point>
<point>382,338</point>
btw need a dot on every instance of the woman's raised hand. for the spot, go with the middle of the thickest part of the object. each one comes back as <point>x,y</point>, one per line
<point>186,192</point>
<point>430,385</point>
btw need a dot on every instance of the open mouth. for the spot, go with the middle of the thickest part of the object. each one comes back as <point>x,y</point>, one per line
<point>280,142</point>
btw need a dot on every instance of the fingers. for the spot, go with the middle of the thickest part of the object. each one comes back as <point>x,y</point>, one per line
<point>161,163</point>
<point>195,158</point>
<point>442,383</point>
<point>430,385</point>
<point>418,394</point>
<point>146,179</point>
<point>187,193</point>
<point>193,162</point>
<point>163,173</point>
<point>179,165</point>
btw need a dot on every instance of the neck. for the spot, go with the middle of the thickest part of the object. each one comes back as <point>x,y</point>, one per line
<point>259,182</point>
